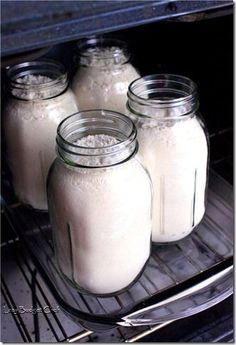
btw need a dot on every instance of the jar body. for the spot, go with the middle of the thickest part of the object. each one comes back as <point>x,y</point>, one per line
<point>173,146</point>
<point>102,224</point>
<point>30,131</point>
<point>176,157</point>
<point>103,76</point>
<point>100,202</point>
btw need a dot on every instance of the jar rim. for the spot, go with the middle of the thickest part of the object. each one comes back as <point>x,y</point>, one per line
<point>25,68</point>
<point>121,47</point>
<point>93,122</point>
<point>101,112</point>
<point>163,79</point>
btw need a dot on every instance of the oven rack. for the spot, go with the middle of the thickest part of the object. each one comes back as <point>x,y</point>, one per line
<point>179,280</point>
<point>24,285</point>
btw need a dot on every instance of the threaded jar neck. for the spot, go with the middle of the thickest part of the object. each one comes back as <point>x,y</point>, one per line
<point>48,79</point>
<point>96,122</point>
<point>162,96</point>
<point>103,52</point>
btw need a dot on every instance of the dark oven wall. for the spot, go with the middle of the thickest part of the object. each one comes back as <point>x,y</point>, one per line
<point>201,50</point>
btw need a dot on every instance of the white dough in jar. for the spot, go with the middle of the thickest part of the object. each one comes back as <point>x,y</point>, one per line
<point>102,83</point>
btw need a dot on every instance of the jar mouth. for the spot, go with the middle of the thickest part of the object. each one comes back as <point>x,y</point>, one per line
<point>53,70</point>
<point>104,48</point>
<point>164,91</point>
<point>95,122</point>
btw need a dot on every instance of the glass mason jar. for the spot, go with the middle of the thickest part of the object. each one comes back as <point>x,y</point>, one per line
<point>174,149</point>
<point>104,74</point>
<point>99,198</point>
<point>38,100</point>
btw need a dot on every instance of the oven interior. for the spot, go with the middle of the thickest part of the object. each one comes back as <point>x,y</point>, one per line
<point>200,47</point>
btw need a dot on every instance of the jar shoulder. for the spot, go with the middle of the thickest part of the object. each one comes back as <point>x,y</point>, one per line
<point>187,126</point>
<point>131,171</point>
<point>127,71</point>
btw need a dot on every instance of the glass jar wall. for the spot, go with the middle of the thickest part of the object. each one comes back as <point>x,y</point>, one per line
<point>38,99</point>
<point>104,74</point>
<point>100,200</point>
<point>174,149</point>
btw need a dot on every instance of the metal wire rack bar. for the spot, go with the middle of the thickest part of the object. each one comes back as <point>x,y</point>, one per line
<point>19,322</point>
<point>148,332</point>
